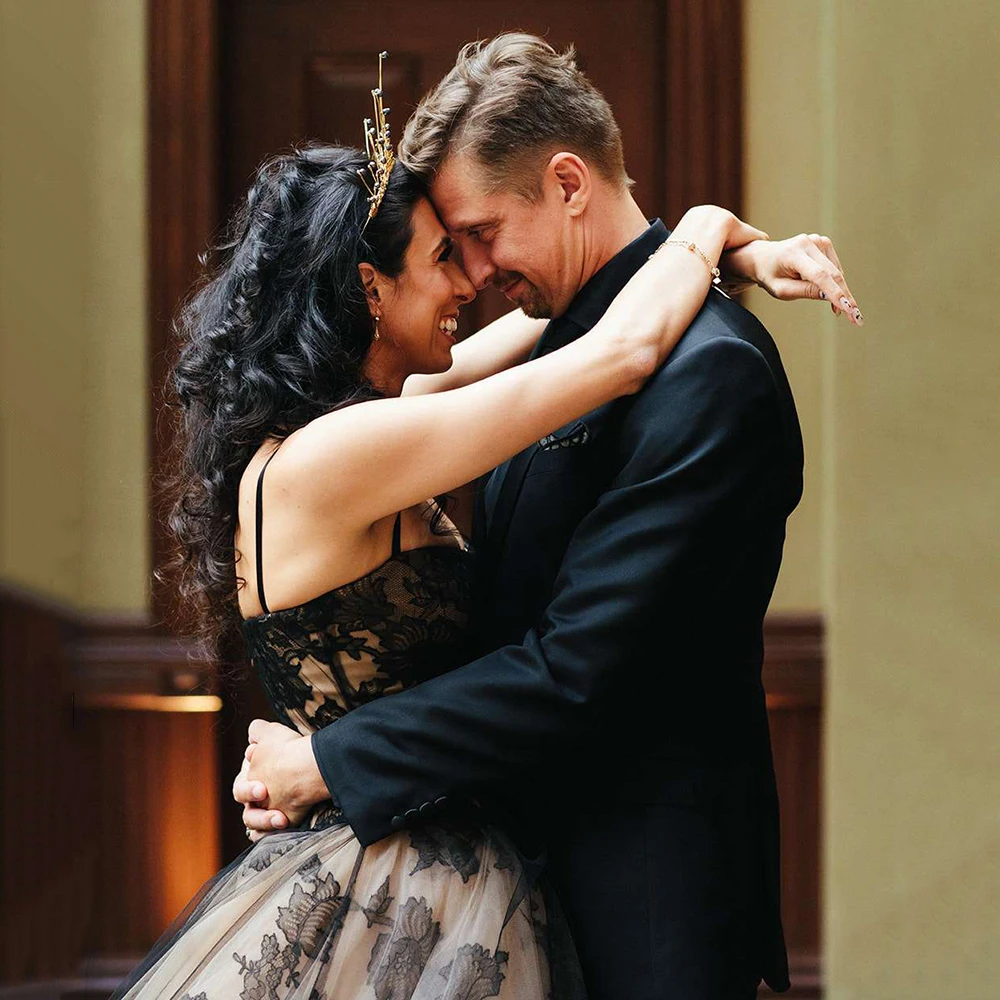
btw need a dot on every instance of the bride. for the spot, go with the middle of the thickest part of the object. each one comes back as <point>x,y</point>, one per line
<point>321,351</point>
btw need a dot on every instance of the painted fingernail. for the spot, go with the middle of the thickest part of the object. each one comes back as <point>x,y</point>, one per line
<point>822,295</point>
<point>277,823</point>
<point>858,318</point>
<point>258,791</point>
<point>846,304</point>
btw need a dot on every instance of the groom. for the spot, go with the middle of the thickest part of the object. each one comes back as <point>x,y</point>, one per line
<point>616,714</point>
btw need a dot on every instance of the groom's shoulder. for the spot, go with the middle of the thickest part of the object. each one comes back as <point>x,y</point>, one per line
<point>725,327</point>
<point>724,367</point>
<point>726,350</point>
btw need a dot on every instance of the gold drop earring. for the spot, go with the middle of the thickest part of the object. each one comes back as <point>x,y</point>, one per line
<point>377,318</point>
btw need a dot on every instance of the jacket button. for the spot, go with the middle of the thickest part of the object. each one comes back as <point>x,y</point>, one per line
<point>441,801</point>
<point>426,809</point>
<point>397,823</point>
<point>410,815</point>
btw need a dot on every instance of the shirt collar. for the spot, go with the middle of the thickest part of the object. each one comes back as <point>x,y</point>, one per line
<point>592,301</point>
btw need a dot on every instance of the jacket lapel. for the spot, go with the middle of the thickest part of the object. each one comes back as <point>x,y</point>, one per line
<point>503,486</point>
<point>501,491</point>
<point>504,483</point>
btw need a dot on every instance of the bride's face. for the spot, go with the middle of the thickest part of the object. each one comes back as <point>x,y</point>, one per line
<point>418,311</point>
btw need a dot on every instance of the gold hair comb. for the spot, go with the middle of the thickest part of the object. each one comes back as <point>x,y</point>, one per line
<point>379,148</point>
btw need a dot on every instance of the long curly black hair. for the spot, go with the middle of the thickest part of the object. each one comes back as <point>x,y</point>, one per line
<point>274,335</point>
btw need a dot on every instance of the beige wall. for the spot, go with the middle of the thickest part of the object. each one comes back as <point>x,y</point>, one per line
<point>72,300</point>
<point>878,123</point>
<point>783,181</point>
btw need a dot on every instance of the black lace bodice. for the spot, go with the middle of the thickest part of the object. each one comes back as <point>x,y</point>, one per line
<point>400,624</point>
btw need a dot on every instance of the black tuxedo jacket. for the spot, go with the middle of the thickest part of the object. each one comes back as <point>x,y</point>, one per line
<point>616,714</point>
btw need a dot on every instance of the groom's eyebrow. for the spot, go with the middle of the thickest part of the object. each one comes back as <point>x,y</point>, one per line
<point>465,227</point>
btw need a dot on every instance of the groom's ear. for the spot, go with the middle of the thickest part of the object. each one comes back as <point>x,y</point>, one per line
<point>572,176</point>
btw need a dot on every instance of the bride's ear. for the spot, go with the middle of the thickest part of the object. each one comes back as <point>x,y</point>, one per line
<point>370,281</point>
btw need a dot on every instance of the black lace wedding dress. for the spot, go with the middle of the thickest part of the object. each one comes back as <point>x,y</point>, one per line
<point>432,913</point>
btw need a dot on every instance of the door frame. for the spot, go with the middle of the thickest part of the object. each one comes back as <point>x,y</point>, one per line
<point>701,43</point>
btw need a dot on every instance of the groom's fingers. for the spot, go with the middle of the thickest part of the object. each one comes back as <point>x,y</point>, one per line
<point>247,791</point>
<point>263,820</point>
<point>256,730</point>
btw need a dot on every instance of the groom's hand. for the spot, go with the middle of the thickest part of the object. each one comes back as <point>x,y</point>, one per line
<point>252,795</point>
<point>280,781</point>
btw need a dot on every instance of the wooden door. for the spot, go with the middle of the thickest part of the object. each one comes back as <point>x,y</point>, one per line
<point>299,70</point>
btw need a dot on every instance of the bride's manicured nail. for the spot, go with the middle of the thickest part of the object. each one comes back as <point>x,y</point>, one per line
<point>822,295</point>
<point>277,823</point>
<point>858,318</point>
<point>258,791</point>
<point>846,304</point>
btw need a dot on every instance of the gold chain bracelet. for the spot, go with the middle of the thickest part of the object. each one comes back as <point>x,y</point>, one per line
<point>694,248</point>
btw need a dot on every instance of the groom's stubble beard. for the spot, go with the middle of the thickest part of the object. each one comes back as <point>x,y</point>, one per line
<point>531,300</point>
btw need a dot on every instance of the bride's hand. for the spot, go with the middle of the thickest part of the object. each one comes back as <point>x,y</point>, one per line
<point>803,267</point>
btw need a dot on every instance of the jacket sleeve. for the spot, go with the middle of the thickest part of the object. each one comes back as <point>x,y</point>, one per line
<point>696,447</point>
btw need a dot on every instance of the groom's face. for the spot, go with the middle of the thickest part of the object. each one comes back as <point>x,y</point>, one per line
<point>521,246</point>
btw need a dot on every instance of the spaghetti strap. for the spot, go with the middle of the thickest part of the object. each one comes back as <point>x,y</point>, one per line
<point>396,532</point>
<point>260,514</point>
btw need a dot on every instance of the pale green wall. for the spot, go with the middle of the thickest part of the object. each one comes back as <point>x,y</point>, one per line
<point>881,118</point>
<point>72,300</point>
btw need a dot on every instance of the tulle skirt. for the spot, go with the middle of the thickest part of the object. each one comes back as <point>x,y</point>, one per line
<point>434,913</point>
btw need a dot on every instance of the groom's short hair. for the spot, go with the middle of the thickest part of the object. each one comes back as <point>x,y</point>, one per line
<point>511,103</point>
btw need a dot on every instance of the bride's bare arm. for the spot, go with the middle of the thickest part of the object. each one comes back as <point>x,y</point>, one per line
<point>498,346</point>
<point>803,267</point>
<point>370,460</point>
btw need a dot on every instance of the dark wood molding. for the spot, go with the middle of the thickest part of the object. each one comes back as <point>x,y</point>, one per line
<point>129,654</point>
<point>793,659</point>
<point>122,659</point>
<point>804,970</point>
<point>142,670</point>
<point>182,212</point>
<point>794,681</point>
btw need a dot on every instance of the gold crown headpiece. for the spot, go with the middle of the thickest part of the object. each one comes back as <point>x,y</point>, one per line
<point>379,148</point>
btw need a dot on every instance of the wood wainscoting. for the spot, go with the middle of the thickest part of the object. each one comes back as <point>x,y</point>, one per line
<point>110,781</point>
<point>109,785</point>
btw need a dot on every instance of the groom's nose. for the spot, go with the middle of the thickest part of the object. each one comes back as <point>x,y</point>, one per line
<point>478,266</point>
